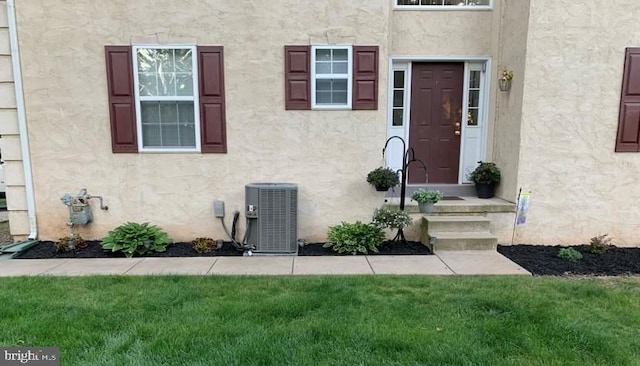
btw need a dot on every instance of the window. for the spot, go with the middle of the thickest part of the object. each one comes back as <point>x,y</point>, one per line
<point>166,99</point>
<point>166,89</point>
<point>330,77</point>
<point>331,81</point>
<point>444,4</point>
<point>474,98</point>
<point>398,98</point>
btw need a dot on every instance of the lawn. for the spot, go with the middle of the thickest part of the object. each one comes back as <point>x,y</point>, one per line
<point>366,320</point>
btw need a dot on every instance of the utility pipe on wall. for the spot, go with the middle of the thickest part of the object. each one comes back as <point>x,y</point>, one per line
<point>22,119</point>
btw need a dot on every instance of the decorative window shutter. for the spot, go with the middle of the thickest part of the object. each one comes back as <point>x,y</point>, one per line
<point>365,77</point>
<point>122,106</point>
<point>628,139</point>
<point>297,72</point>
<point>212,99</point>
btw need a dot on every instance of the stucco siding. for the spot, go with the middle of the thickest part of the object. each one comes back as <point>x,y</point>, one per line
<point>574,67</point>
<point>328,153</point>
<point>441,33</point>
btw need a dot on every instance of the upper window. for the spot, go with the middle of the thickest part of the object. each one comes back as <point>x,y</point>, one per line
<point>166,98</point>
<point>331,77</point>
<point>444,4</point>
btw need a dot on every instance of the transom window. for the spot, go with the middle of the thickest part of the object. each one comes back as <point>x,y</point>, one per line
<point>166,103</point>
<point>426,4</point>
<point>331,77</point>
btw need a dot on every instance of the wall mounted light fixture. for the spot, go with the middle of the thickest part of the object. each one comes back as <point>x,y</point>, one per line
<point>505,81</point>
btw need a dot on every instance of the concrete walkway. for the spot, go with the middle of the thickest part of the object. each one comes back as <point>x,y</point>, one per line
<point>444,263</point>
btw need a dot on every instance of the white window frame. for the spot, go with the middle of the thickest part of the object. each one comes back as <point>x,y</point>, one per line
<point>314,77</point>
<point>443,7</point>
<point>194,99</point>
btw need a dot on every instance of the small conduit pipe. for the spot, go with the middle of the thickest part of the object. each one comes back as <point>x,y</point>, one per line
<point>22,119</point>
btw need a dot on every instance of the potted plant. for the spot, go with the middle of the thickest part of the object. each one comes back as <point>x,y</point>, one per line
<point>392,218</point>
<point>426,199</point>
<point>383,178</point>
<point>486,176</point>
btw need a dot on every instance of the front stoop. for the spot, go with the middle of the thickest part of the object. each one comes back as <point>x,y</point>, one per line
<point>454,233</point>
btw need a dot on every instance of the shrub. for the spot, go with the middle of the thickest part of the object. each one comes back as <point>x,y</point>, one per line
<point>70,243</point>
<point>599,244</point>
<point>393,218</point>
<point>136,239</point>
<point>204,245</point>
<point>570,254</point>
<point>422,196</point>
<point>355,238</point>
<point>485,172</point>
<point>383,178</point>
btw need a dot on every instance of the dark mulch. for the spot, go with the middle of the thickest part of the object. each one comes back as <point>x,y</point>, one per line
<point>45,249</point>
<point>387,248</point>
<point>544,260</point>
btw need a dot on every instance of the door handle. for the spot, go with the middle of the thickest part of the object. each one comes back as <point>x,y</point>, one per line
<point>457,124</point>
<point>456,132</point>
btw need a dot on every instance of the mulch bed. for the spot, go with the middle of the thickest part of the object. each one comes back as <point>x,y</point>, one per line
<point>46,249</point>
<point>544,260</point>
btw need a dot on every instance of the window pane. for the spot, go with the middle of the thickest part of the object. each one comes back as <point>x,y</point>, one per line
<point>398,79</point>
<point>187,135</point>
<point>339,97</point>
<point>150,112</point>
<point>170,136</point>
<point>474,79</point>
<point>147,84</point>
<point>323,85</point>
<point>151,136</point>
<point>166,84</point>
<point>185,112</point>
<point>183,60</point>
<point>474,98</point>
<point>164,60</point>
<point>398,98</point>
<point>339,84</point>
<point>323,97</point>
<point>147,60</point>
<point>340,55</point>
<point>168,112</point>
<point>323,68</point>
<point>323,55</point>
<point>472,117</point>
<point>340,67</point>
<point>184,84</point>
<point>397,117</point>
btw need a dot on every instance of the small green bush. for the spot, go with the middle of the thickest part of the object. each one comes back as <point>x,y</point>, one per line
<point>423,196</point>
<point>570,254</point>
<point>136,239</point>
<point>599,244</point>
<point>70,243</point>
<point>204,245</point>
<point>383,178</point>
<point>485,172</point>
<point>392,218</point>
<point>355,238</point>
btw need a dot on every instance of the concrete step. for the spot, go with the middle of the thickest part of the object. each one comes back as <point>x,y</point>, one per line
<point>448,241</point>
<point>440,223</point>
<point>462,206</point>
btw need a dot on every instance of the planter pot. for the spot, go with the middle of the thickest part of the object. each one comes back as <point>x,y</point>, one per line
<point>485,190</point>
<point>426,207</point>
<point>382,189</point>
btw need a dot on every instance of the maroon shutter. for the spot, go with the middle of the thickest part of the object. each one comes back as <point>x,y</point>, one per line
<point>122,108</point>
<point>297,77</point>
<point>629,120</point>
<point>365,77</point>
<point>212,107</point>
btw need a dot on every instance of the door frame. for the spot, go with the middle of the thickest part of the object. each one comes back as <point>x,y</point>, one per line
<point>394,157</point>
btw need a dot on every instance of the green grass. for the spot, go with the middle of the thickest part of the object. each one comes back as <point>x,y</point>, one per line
<point>369,320</point>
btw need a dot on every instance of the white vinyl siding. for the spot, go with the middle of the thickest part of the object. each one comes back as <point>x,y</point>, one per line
<point>166,92</point>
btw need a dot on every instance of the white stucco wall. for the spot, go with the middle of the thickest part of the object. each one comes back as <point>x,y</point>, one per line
<point>574,68</point>
<point>328,153</point>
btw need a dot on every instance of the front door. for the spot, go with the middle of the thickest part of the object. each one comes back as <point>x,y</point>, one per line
<point>434,127</point>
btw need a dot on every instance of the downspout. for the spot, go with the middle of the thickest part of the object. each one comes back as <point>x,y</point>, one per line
<point>22,120</point>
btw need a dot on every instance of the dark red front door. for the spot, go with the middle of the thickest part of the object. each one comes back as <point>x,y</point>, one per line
<point>436,114</point>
